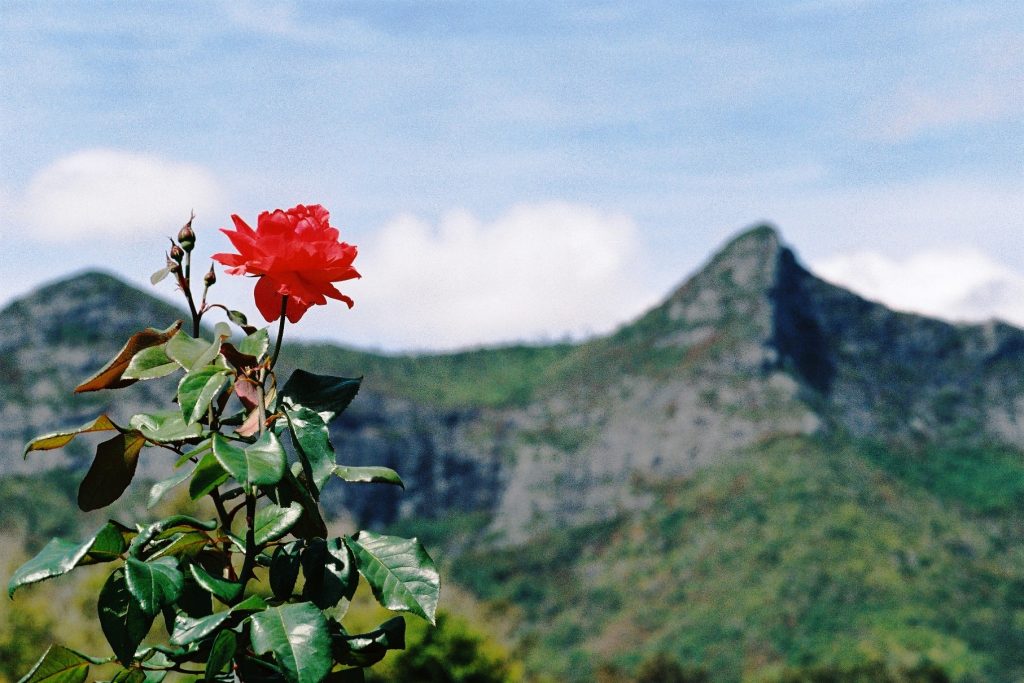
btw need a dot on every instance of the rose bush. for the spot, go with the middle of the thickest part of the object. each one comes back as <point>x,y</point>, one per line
<point>260,451</point>
<point>295,253</point>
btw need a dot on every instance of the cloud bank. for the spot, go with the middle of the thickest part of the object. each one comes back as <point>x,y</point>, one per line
<point>111,193</point>
<point>538,271</point>
<point>956,284</point>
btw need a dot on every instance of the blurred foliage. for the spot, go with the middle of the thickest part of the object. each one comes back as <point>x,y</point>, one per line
<point>496,377</point>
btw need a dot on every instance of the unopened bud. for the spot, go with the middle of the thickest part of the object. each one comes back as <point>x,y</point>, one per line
<point>176,253</point>
<point>210,278</point>
<point>187,238</point>
<point>173,267</point>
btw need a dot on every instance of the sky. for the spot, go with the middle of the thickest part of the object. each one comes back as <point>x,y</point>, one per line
<point>522,171</point>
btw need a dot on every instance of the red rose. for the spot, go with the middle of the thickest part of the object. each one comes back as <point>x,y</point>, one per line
<point>295,253</point>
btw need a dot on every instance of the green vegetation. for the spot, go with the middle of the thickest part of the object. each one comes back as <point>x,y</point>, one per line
<point>798,561</point>
<point>490,378</point>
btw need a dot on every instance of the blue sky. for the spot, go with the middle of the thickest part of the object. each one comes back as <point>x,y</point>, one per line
<point>523,170</point>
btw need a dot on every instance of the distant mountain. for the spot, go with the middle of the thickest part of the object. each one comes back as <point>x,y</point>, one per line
<point>762,475</point>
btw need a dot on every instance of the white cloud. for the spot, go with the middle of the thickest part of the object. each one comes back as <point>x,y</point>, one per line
<point>539,271</point>
<point>112,193</point>
<point>958,284</point>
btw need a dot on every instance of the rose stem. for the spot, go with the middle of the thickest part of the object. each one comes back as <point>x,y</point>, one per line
<point>280,332</point>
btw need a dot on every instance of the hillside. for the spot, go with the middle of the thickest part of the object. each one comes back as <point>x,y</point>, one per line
<point>763,476</point>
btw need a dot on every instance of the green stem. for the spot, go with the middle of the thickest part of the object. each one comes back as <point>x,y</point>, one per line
<point>280,332</point>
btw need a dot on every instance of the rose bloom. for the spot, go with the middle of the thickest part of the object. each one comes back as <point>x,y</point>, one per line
<point>295,253</point>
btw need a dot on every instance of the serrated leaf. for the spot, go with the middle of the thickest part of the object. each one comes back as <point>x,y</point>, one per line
<point>256,344</point>
<point>112,470</point>
<point>272,522</point>
<point>262,463</point>
<point>330,572</point>
<point>207,476</point>
<point>400,572</point>
<point>323,394</point>
<point>222,589</point>
<point>291,491</point>
<point>58,665</point>
<point>368,475</point>
<point>57,557</point>
<point>313,443</point>
<point>123,622</point>
<point>59,439</point>
<point>165,427</point>
<point>109,376</point>
<point>284,570</point>
<point>297,637</point>
<point>150,363</point>
<point>198,389</point>
<point>157,491</point>
<point>221,654</point>
<point>154,584</point>
<point>191,352</point>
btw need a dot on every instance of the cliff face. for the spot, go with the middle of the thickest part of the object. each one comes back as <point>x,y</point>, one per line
<point>752,346</point>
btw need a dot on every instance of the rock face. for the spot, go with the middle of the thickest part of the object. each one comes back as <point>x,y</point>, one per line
<point>751,346</point>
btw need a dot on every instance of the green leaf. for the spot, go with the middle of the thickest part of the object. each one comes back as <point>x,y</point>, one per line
<point>256,344</point>
<point>330,572</point>
<point>238,318</point>
<point>400,572</point>
<point>272,522</point>
<point>109,376</point>
<point>313,443</point>
<point>221,654</point>
<point>184,545</point>
<point>261,463</point>
<point>198,389</point>
<point>375,475</point>
<point>188,630</point>
<point>60,439</point>
<point>163,486</point>
<point>166,528</point>
<point>284,570</point>
<point>165,427</point>
<point>367,649</point>
<point>150,363</point>
<point>59,557</point>
<point>289,491</point>
<point>58,665</point>
<point>190,352</point>
<point>298,638</point>
<point>222,589</point>
<point>123,622</point>
<point>154,584</point>
<point>207,476</point>
<point>111,471</point>
<point>129,676</point>
<point>324,394</point>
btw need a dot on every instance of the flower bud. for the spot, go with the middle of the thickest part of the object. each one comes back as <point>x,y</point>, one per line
<point>187,238</point>
<point>173,267</point>
<point>176,253</point>
<point>210,278</point>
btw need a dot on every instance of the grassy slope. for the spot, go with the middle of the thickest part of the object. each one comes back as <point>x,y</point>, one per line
<point>796,554</point>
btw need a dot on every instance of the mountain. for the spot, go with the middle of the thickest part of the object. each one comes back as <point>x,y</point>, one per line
<point>765,476</point>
